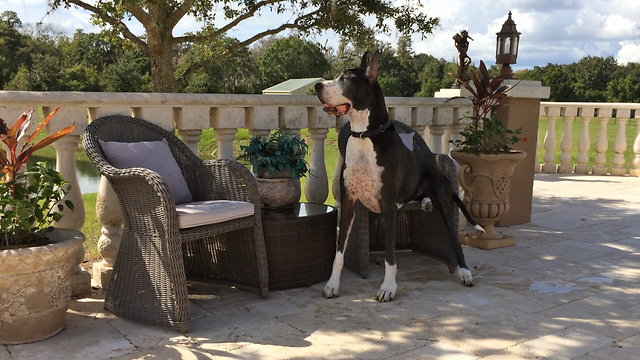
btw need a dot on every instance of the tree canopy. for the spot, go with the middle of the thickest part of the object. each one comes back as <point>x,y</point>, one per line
<point>160,17</point>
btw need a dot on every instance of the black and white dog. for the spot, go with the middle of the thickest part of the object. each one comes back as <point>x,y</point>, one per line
<point>380,171</point>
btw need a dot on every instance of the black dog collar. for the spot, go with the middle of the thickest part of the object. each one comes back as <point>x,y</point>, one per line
<point>370,133</point>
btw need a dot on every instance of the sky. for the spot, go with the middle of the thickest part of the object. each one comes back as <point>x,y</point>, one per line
<point>552,31</point>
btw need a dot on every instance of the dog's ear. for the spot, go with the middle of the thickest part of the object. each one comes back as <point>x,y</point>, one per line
<point>365,60</point>
<point>372,68</point>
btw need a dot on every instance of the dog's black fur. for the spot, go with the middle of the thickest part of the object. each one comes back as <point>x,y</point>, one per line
<point>381,172</point>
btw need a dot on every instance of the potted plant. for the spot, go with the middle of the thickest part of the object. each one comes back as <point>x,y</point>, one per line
<point>486,159</point>
<point>278,162</point>
<point>36,260</point>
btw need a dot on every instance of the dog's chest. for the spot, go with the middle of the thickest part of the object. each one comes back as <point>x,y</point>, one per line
<point>362,175</point>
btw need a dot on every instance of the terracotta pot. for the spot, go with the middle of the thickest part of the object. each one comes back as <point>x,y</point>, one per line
<point>486,180</point>
<point>35,287</point>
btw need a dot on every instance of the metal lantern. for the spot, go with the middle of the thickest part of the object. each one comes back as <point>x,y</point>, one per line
<point>507,43</point>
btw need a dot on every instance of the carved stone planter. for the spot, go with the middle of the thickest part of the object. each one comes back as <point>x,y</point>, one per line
<point>486,180</point>
<point>35,287</point>
<point>279,193</point>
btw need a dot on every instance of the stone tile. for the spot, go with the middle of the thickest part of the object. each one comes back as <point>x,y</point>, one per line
<point>484,334</point>
<point>570,250</point>
<point>248,325</point>
<point>627,349</point>
<point>147,336</point>
<point>598,314</point>
<point>567,344</point>
<point>169,351</point>
<point>436,351</point>
<point>96,341</point>
<point>4,353</point>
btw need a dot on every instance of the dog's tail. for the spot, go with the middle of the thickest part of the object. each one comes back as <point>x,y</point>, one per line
<point>465,212</point>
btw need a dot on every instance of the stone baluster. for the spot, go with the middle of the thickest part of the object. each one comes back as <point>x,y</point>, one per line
<point>620,144</point>
<point>635,163</point>
<point>225,122</point>
<point>317,185</point>
<point>190,138</point>
<point>335,182</point>
<point>190,121</point>
<point>110,217</point>
<point>602,143</point>
<point>584,142</point>
<point>451,132</point>
<point>66,165</point>
<point>566,143</point>
<point>436,133</point>
<point>549,167</point>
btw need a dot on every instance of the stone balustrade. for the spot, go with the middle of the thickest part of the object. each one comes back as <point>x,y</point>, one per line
<point>622,117</point>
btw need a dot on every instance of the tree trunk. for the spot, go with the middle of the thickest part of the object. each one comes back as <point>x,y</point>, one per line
<point>161,59</point>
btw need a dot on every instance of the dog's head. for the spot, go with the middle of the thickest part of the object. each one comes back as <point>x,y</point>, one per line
<point>355,89</point>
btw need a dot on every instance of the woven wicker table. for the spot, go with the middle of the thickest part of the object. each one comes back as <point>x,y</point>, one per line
<point>300,243</point>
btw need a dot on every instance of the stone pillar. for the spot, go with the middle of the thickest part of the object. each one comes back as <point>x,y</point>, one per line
<point>584,143</point>
<point>316,188</point>
<point>521,109</point>
<point>600,167</point>
<point>635,163</point>
<point>550,141</point>
<point>436,132</point>
<point>66,165</point>
<point>191,138</point>
<point>110,217</point>
<point>225,139</point>
<point>566,144</point>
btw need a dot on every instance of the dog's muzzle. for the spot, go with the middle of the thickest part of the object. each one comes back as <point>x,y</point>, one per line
<point>338,110</point>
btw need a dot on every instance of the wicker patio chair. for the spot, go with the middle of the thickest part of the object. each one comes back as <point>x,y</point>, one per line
<point>419,231</point>
<point>157,254</point>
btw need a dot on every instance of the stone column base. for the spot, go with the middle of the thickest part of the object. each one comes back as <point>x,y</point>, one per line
<point>618,171</point>
<point>487,244</point>
<point>634,172</point>
<point>81,283</point>
<point>102,274</point>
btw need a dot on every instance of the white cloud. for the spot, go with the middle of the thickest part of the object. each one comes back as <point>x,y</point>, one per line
<point>629,52</point>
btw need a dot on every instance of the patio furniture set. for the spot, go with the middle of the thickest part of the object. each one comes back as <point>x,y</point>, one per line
<point>188,218</point>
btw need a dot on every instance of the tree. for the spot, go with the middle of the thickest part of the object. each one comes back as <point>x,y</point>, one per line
<point>290,58</point>
<point>592,74</point>
<point>159,19</point>
<point>10,43</point>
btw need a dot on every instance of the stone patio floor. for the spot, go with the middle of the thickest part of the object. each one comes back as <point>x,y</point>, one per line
<point>569,289</point>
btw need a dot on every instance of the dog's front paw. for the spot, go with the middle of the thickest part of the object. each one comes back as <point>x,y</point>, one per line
<point>386,293</point>
<point>331,289</point>
<point>426,204</point>
<point>465,276</point>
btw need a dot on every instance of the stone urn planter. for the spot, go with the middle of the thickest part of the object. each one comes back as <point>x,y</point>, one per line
<point>486,179</point>
<point>35,287</point>
<point>278,191</point>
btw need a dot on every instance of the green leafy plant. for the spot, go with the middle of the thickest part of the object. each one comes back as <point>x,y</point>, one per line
<point>280,152</point>
<point>29,199</point>
<point>484,133</point>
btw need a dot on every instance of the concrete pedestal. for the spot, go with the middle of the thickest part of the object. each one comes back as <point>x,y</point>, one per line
<point>522,110</point>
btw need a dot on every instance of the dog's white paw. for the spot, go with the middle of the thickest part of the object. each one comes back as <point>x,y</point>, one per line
<point>331,289</point>
<point>465,276</point>
<point>386,293</point>
<point>426,205</point>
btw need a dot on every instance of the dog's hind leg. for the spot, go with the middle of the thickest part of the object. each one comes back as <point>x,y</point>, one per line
<point>347,215</point>
<point>389,286</point>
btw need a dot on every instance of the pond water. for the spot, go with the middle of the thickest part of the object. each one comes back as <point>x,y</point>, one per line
<point>88,175</point>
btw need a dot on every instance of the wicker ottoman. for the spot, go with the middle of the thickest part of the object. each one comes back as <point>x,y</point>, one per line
<point>301,244</point>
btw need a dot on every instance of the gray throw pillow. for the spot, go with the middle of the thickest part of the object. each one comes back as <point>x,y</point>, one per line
<point>152,155</point>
